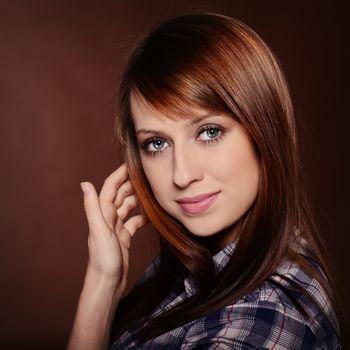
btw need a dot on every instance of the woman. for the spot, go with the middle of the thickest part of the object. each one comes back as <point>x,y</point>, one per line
<point>211,158</point>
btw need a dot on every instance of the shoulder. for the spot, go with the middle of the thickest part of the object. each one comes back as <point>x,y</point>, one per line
<point>250,325</point>
<point>267,318</point>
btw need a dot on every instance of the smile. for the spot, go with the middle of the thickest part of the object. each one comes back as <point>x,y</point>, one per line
<point>200,205</point>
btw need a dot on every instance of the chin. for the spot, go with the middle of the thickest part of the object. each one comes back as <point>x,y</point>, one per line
<point>224,231</point>
<point>203,230</point>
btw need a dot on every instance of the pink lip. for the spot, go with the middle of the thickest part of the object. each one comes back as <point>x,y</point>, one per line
<point>197,204</point>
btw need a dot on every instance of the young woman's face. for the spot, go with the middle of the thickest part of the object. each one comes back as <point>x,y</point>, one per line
<point>210,155</point>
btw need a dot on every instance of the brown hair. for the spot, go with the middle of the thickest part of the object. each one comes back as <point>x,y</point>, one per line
<point>219,64</point>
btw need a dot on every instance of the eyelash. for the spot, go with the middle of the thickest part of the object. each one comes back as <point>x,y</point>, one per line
<point>209,142</point>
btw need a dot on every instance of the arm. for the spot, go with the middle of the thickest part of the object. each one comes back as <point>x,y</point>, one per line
<point>106,275</point>
<point>98,301</point>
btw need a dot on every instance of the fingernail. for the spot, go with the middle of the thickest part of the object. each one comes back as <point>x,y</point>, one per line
<point>85,186</point>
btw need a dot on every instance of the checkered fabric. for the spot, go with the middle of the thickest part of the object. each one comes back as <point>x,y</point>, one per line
<point>264,319</point>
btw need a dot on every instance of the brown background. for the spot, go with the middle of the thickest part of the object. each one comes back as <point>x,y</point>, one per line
<point>59,66</point>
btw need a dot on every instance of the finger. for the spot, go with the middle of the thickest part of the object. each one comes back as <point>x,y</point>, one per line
<point>129,203</point>
<point>135,222</point>
<point>119,226</point>
<point>123,212</point>
<point>109,191</point>
<point>130,227</point>
<point>92,207</point>
<point>124,237</point>
<point>113,182</point>
<point>124,190</point>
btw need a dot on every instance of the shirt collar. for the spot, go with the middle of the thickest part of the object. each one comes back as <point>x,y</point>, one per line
<point>220,260</point>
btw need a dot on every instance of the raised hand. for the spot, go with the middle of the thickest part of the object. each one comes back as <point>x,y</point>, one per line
<point>109,236</point>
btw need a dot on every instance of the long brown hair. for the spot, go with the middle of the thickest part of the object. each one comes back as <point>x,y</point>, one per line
<point>219,64</point>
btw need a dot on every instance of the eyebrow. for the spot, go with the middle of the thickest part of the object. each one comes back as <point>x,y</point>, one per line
<point>191,122</point>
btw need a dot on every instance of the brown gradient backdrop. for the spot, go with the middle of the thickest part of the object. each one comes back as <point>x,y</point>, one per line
<point>59,66</point>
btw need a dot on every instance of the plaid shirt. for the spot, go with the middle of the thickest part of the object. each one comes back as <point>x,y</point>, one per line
<point>264,319</point>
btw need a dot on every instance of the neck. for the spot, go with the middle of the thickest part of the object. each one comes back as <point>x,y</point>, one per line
<point>219,240</point>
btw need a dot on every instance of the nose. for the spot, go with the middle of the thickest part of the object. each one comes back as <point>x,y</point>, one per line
<point>186,167</point>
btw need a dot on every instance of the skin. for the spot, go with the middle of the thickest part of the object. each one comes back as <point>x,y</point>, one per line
<point>189,165</point>
<point>185,161</point>
<point>109,239</point>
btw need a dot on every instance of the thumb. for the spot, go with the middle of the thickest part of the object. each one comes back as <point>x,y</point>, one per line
<point>92,207</point>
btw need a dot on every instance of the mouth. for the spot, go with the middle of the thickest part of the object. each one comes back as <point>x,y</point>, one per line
<point>197,204</point>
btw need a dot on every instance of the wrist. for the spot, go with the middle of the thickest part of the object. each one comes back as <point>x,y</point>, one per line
<point>98,301</point>
<point>102,286</point>
<point>101,278</point>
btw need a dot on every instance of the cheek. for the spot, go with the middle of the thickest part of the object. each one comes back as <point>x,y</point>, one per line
<point>157,178</point>
<point>249,182</point>
<point>246,175</point>
<point>238,170</point>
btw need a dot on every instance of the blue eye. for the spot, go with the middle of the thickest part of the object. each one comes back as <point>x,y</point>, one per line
<point>156,145</point>
<point>210,133</point>
<point>153,145</point>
